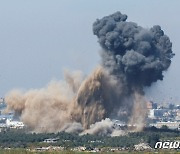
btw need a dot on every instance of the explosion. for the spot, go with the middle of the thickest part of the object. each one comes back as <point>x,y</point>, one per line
<point>132,58</point>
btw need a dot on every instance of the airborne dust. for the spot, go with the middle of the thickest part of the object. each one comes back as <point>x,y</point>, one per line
<point>133,57</point>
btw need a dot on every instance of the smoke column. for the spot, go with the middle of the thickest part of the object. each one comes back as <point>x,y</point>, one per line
<point>136,56</point>
<point>132,57</point>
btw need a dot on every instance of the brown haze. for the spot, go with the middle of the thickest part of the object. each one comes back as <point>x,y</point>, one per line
<point>71,105</point>
<point>132,58</point>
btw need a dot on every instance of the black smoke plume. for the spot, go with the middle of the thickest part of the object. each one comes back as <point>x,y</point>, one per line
<point>137,54</point>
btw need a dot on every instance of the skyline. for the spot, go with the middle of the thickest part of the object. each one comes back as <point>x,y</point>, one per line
<point>40,39</point>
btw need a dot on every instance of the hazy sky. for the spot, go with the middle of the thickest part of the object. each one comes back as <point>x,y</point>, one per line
<point>41,38</point>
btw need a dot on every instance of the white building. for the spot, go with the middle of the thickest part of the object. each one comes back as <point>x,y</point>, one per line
<point>170,125</point>
<point>14,124</point>
<point>142,146</point>
<point>151,114</point>
<point>51,140</point>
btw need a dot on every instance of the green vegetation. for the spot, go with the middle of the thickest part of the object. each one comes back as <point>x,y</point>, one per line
<point>23,151</point>
<point>20,139</point>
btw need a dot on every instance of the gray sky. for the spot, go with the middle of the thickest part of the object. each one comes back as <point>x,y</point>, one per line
<point>40,38</point>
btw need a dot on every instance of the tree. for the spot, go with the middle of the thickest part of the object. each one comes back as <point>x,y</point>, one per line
<point>164,127</point>
<point>152,139</point>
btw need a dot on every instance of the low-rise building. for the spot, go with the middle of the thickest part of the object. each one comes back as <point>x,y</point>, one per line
<point>14,124</point>
<point>170,125</point>
<point>51,140</point>
<point>142,146</point>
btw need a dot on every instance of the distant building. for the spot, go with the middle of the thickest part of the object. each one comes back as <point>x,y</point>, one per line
<point>151,114</point>
<point>6,116</point>
<point>154,113</point>
<point>142,146</point>
<point>170,125</point>
<point>151,105</point>
<point>14,124</point>
<point>51,140</point>
<point>177,106</point>
<point>178,115</point>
